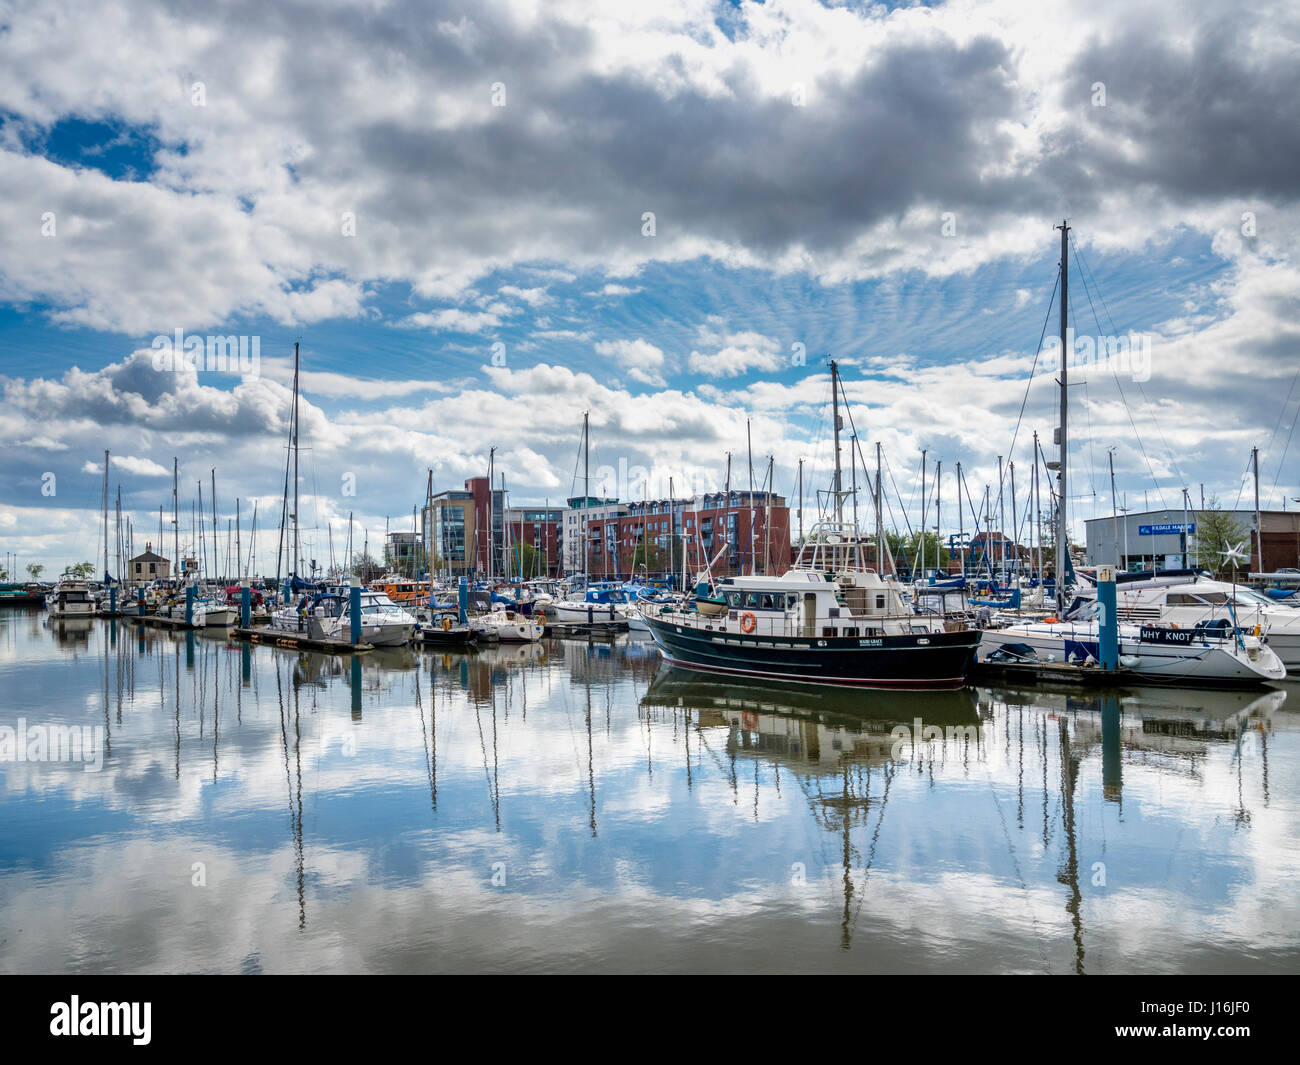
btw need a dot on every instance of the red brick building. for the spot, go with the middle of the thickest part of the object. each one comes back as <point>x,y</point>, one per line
<point>729,534</point>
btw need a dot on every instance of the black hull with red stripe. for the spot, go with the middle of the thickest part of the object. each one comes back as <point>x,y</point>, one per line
<point>920,660</point>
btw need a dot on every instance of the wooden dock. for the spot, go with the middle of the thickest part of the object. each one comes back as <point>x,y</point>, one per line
<point>299,641</point>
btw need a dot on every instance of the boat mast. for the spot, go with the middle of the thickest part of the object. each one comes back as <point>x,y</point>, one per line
<point>961,527</point>
<point>1002,525</point>
<point>176,525</point>
<point>106,513</point>
<point>920,555</point>
<point>767,518</point>
<point>215,557</point>
<point>672,531</point>
<point>1259,530</point>
<point>1062,511</point>
<point>938,500</point>
<point>749,443</point>
<point>727,493</point>
<point>835,423</point>
<point>295,458</point>
<point>853,475</point>
<point>801,504</point>
<point>586,490</point>
<point>492,454</point>
<point>880,517</point>
<point>1038,517</point>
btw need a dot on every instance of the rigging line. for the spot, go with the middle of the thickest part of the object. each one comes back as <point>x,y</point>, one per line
<point>1281,414</point>
<point>1241,484</point>
<point>984,543</point>
<point>1033,368</point>
<point>1087,406</point>
<point>1278,474</point>
<point>906,520</point>
<point>1084,271</point>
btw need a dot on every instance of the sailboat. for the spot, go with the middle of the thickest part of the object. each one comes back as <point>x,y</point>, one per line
<point>828,620</point>
<point>603,603</point>
<point>1204,654</point>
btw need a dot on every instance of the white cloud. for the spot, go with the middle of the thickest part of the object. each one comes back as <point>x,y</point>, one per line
<point>642,360</point>
<point>735,354</point>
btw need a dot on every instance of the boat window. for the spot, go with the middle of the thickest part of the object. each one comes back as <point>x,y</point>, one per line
<point>791,601</point>
<point>733,599</point>
<point>767,601</point>
<point>1215,598</point>
<point>751,599</point>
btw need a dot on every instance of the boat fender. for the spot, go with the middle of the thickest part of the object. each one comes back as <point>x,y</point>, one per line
<point>748,622</point>
<point>1051,621</point>
<point>1256,632</point>
<point>446,624</point>
<point>541,619</point>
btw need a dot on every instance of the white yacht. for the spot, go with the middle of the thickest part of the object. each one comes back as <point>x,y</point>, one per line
<point>70,598</point>
<point>210,612</point>
<point>1184,601</point>
<point>328,616</point>
<point>1203,654</point>
<point>508,626</point>
<point>604,603</point>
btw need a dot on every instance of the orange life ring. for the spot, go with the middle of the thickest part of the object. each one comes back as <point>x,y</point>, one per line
<point>749,721</point>
<point>748,623</point>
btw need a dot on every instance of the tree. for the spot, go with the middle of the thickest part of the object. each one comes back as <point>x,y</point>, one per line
<point>524,559</point>
<point>81,571</point>
<point>1217,533</point>
<point>906,550</point>
<point>366,568</point>
<point>34,570</point>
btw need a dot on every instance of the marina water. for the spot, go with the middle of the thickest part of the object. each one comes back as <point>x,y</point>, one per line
<point>578,806</point>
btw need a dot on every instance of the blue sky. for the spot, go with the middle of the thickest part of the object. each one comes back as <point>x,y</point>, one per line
<point>452,220</point>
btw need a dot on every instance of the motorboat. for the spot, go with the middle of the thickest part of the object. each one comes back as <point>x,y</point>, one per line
<point>508,626</point>
<point>329,616</point>
<point>70,598</point>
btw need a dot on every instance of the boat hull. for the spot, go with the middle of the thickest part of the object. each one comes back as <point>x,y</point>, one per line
<point>1204,664</point>
<point>923,661</point>
<point>585,614</point>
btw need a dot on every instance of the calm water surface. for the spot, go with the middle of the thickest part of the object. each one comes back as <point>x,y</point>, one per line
<point>576,806</point>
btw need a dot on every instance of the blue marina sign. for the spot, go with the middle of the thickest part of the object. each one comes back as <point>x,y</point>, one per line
<point>1169,528</point>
